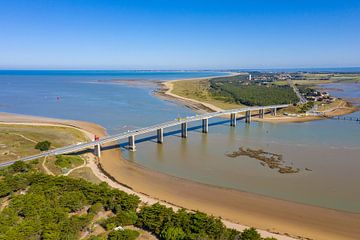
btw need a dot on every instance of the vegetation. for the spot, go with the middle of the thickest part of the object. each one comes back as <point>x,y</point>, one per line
<point>85,173</point>
<point>43,146</point>
<point>167,224</point>
<point>126,234</point>
<point>252,94</point>
<point>200,90</point>
<point>298,108</point>
<point>321,78</point>
<point>47,207</point>
<point>18,141</point>
<point>39,206</point>
<point>68,161</point>
<point>305,107</point>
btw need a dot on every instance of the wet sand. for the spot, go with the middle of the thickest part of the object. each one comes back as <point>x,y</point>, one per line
<point>248,209</point>
<point>111,154</point>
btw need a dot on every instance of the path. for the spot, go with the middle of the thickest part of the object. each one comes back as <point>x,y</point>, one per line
<point>26,138</point>
<point>75,168</point>
<point>45,168</point>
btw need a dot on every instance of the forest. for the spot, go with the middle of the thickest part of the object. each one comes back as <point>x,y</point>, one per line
<point>39,206</point>
<point>244,92</point>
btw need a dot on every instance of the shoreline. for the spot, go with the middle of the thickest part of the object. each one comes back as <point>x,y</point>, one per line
<point>166,88</point>
<point>240,209</point>
<point>91,129</point>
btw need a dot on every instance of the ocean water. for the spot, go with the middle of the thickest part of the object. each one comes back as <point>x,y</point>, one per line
<point>329,149</point>
<point>80,95</point>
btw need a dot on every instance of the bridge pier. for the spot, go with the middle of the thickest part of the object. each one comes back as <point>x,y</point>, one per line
<point>132,146</point>
<point>160,135</point>
<point>273,111</point>
<point>233,119</point>
<point>248,116</point>
<point>184,130</point>
<point>97,150</point>
<point>205,125</point>
<point>261,113</point>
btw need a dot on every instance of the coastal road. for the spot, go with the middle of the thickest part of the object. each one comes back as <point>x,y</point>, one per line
<point>140,131</point>
<point>297,92</point>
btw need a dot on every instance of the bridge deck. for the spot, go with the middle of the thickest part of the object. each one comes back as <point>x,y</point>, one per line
<point>140,131</point>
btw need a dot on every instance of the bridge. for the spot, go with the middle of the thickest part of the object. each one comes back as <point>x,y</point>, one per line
<point>159,129</point>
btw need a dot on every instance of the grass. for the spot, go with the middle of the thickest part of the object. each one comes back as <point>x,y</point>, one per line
<point>303,82</point>
<point>332,105</point>
<point>18,141</point>
<point>324,78</point>
<point>199,90</point>
<point>338,77</point>
<point>85,173</point>
<point>58,164</point>
<point>68,161</point>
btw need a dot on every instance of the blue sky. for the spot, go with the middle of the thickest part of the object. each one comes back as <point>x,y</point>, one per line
<point>196,34</point>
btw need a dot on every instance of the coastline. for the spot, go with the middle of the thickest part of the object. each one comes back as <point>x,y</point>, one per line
<point>166,88</point>
<point>97,165</point>
<point>272,215</point>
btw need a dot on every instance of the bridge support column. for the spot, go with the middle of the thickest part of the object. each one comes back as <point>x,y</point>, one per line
<point>233,119</point>
<point>273,111</point>
<point>97,150</point>
<point>261,113</point>
<point>248,116</point>
<point>132,146</point>
<point>205,125</point>
<point>160,135</point>
<point>184,130</point>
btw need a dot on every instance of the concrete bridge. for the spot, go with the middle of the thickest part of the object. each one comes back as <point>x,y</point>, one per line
<point>159,129</point>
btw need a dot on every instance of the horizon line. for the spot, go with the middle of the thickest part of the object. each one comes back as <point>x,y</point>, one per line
<point>172,70</point>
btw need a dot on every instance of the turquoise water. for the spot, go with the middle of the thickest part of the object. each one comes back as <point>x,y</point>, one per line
<point>330,148</point>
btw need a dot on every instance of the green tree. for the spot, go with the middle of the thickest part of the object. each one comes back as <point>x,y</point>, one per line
<point>97,207</point>
<point>43,146</point>
<point>173,233</point>
<point>73,200</point>
<point>126,234</point>
<point>250,234</point>
<point>154,217</point>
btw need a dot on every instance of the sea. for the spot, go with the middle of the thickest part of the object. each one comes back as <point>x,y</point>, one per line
<point>326,152</point>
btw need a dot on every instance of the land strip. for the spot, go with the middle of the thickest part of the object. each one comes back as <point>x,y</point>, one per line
<point>194,93</point>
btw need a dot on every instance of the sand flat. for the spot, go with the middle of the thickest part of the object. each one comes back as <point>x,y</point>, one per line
<point>240,207</point>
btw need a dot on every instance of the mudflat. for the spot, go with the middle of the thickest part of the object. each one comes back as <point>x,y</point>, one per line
<point>274,215</point>
<point>285,217</point>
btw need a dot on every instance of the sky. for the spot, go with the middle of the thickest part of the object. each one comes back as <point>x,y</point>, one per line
<point>179,34</point>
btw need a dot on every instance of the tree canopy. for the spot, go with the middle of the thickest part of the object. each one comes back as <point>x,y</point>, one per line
<point>43,146</point>
<point>48,207</point>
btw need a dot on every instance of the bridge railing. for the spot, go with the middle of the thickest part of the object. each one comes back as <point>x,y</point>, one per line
<point>140,131</point>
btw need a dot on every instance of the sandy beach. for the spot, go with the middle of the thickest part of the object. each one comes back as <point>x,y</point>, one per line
<point>239,209</point>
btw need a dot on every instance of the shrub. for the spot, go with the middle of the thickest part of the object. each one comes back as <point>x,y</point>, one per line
<point>250,234</point>
<point>20,166</point>
<point>66,161</point>
<point>43,146</point>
